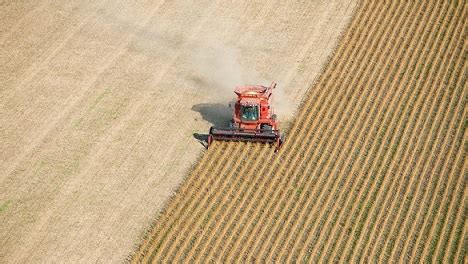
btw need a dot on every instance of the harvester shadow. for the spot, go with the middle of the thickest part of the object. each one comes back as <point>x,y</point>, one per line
<point>218,115</point>
<point>202,139</point>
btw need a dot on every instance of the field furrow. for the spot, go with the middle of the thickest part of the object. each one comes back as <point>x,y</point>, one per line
<point>317,143</point>
<point>319,215</point>
<point>432,174</point>
<point>404,73</point>
<point>206,191</point>
<point>229,204</point>
<point>371,128</point>
<point>413,146</point>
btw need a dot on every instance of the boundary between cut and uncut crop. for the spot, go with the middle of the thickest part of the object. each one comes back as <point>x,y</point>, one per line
<point>146,235</point>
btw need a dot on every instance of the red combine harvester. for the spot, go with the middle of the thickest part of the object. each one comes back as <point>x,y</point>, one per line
<point>252,118</point>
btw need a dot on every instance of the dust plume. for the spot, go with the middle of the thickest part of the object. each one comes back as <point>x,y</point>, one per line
<point>219,68</point>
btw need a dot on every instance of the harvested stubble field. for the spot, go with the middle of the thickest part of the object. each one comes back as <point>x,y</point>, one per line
<point>373,166</point>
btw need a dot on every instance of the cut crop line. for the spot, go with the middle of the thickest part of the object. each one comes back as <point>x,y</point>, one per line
<point>174,220</point>
<point>229,203</point>
<point>214,205</point>
<point>312,102</point>
<point>71,101</point>
<point>191,184</point>
<point>367,168</point>
<point>178,235</point>
<point>170,233</point>
<point>320,104</point>
<point>14,28</point>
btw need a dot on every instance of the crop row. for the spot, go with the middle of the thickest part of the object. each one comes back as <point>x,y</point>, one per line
<point>373,168</point>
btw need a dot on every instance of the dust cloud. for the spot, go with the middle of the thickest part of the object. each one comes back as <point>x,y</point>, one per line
<point>218,67</point>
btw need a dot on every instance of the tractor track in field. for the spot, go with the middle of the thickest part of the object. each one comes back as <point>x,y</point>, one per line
<point>373,166</point>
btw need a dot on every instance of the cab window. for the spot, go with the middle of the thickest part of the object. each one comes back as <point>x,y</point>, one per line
<point>249,112</point>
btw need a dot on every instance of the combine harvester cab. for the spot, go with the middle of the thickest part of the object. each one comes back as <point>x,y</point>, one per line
<point>253,118</point>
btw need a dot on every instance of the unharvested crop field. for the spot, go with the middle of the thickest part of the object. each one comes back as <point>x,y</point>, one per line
<point>373,168</point>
